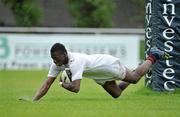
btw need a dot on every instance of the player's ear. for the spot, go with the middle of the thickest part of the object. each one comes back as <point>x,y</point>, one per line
<point>65,53</point>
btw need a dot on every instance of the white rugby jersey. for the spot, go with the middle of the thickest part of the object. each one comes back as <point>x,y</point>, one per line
<point>96,66</point>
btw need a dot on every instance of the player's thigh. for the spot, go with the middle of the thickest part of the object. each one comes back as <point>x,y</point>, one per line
<point>112,88</point>
<point>128,76</point>
<point>131,77</point>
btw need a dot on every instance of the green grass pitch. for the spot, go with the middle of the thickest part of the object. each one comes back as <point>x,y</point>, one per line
<point>91,101</point>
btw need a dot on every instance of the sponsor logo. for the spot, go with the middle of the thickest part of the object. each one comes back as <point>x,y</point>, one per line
<point>4,48</point>
<point>168,34</point>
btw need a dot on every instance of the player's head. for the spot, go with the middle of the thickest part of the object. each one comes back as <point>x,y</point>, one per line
<point>59,54</point>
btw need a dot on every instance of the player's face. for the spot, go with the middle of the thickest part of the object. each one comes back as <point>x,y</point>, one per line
<point>59,58</point>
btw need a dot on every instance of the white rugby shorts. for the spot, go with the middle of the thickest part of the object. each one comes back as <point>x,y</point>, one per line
<point>118,69</point>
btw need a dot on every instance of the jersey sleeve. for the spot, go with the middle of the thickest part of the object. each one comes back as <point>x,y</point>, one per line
<point>54,70</point>
<point>77,68</point>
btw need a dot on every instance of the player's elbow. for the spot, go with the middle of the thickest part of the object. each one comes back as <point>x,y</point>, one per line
<point>76,90</point>
<point>75,87</point>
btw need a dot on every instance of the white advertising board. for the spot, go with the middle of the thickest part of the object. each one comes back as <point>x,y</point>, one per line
<point>31,51</point>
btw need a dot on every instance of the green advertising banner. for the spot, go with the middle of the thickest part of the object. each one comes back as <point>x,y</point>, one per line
<point>163,31</point>
<point>31,51</point>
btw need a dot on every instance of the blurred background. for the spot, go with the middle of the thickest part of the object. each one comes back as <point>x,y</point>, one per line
<point>28,28</point>
<point>73,13</point>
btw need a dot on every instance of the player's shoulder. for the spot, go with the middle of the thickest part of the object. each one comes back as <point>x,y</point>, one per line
<point>76,58</point>
<point>76,55</point>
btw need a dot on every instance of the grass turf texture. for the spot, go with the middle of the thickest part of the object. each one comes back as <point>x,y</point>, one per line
<point>91,101</point>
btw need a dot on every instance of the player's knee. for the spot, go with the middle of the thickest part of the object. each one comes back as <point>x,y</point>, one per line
<point>116,95</point>
<point>132,77</point>
<point>134,81</point>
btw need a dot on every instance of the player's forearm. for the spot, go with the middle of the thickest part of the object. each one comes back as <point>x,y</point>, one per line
<point>43,90</point>
<point>38,96</point>
<point>70,87</point>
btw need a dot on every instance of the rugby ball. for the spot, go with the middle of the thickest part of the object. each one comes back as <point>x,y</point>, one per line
<point>66,75</point>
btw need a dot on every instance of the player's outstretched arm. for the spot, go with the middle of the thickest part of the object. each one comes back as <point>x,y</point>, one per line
<point>73,86</point>
<point>44,88</point>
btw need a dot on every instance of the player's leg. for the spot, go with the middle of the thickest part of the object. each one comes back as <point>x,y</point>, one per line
<point>154,54</point>
<point>131,77</point>
<point>134,76</point>
<point>113,89</point>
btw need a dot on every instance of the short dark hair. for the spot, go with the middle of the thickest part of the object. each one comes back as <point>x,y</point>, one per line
<point>58,47</point>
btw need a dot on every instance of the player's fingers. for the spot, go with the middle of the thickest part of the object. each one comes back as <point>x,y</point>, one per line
<point>60,83</point>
